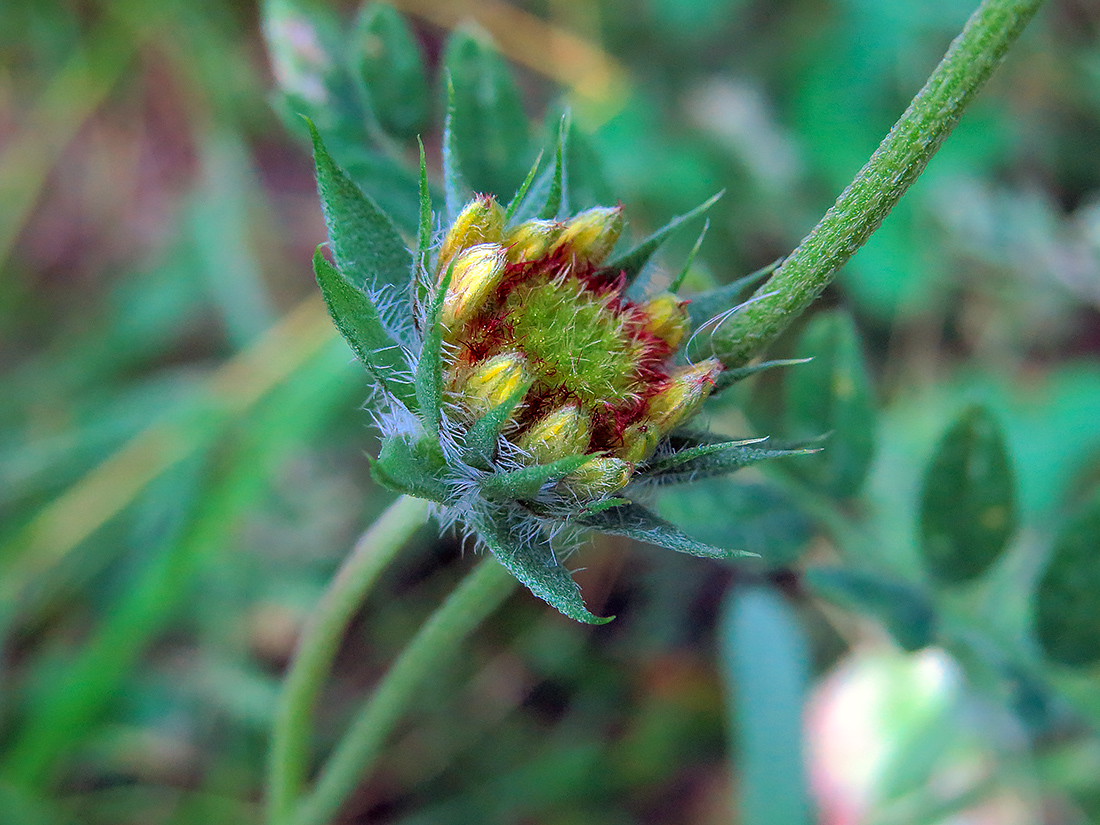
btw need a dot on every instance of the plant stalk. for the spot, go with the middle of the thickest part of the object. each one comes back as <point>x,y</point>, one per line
<point>475,598</point>
<point>289,755</point>
<point>895,164</point>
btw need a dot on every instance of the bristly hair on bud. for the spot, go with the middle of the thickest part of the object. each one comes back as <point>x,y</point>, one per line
<point>537,398</point>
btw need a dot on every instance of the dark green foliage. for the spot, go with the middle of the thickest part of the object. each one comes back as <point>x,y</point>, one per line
<point>368,250</point>
<point>634,261</point>
<point>636,522</point>
<point>480,445</point>
<point>412,467</point>
<point>526,482</point>
<point>357,319</point>
<point>699,456</point>
<point>429,369</point>
<point>392,69</point>
<point>490,134</point>
<point>833,398</point>
<point>1067,602</point>
<point>905,611</point>
<point>968,501</point>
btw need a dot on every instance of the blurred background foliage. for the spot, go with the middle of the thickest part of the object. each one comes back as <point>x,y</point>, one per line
<point>182,437</point>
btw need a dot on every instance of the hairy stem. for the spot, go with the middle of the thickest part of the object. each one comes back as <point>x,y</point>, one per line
<point>289,755</point>
<point>479,594</point>
<point>893,167</point>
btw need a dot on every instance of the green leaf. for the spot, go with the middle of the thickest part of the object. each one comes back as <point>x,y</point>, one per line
<point>636,522</point>
<point>368,250</point>
<point>678,281</point>
<point>421,280</point>
<point>429,369</point>
<point>765,664</point>
<point>392,70</point>
<point>1067,602</point>
<point>553,206</point>
<point>706,306</point>
<point>489,126</point>
<point>525,483</point>
<point>457,190</point>
<point>727,378</point>
<point>479,446</point>
<point>697,455</point>
<point>632,262</point>
<point>521,193</point>
<point>904,609</point>
<point>968,501</point>
<point>355,316</point>
<point>833,397</point>
<point>534,563</point>
<point>414,468</point>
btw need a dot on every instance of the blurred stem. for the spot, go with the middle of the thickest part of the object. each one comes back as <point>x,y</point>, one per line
<point>896,163</point>
<point>478,595</point>
<point>288,761</point>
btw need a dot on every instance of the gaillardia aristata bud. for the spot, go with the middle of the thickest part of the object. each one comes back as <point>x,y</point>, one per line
<point>535,388</point>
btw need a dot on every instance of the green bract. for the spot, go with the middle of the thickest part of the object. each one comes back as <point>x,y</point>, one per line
<point>519,388</point>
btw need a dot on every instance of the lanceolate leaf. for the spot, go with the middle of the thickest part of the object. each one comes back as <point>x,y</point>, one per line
<point>533,562</point>
<point>358,321</point>
<point>632,262</point>
<point>905,610</point>
<point>833,397</point>
<point>636,522</point>
<point>423,236</point>
<point>708,459</point>
<point>1067,603</point>
<point>678,281</point>
<point>727,378</point>
<point>554,197</point>
<point>699,451</point>
<point>392,70</point>
<point>521,193</point>
<point>429,371</point>
<point>456,190</point>
<point>968,503</point>
<point>526,483</point>
<point>368,250</point>
<point>488,125</point>
<point>412,467</point>
<point>480,444</point>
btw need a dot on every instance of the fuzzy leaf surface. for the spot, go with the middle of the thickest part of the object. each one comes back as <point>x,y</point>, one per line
<point>480,442</point>
<point>635,521</point>
<point>525,483</point>
<point>1067,603</point>
<point>411,467</point>
<point>392,69</point>
<point>727,378</point>
<point>357,320</point>
<point>632,262</point>
<point>368,250</point>
<point>535,565</point>
<point>833,397</point>
<point>488,126</point>
<point>905,611</point>
<point>429,370</point>
<point>968,501</point>
<point>456,190</point>
<point>706,456</point>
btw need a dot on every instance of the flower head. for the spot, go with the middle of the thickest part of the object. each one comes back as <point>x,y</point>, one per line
<point>535,393</point>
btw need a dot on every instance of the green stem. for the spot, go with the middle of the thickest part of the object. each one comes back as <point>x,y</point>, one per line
<point>897,162</point>
<point>479,594</point>
<point>289,756</point>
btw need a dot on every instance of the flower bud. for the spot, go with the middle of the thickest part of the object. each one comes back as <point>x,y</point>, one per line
<point>639,442</point>
<point>531,240</point>
<point>477,272</point>
<point>685,392</point>
<point>666,318</point>
<point>591,235</point>
<point>564,432</point>
<point>480,221</point>
<point>598,477</point>
<point>494,381</point>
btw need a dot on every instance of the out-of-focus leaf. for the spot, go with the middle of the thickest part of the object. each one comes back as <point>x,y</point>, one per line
<point>556,203</point>
<point>636,522</point>
<point>757,518</point>
<point>905,610</point>
<point>968,502</point>
<point>1067,602</point>
<point>533,562</point>
<point>456,189</point>
<point>833,397</point>
<point>392,70</point>
<point>357,319</point>
<point>368,250</point>
<point>765,665</point>
<point>488,125</point>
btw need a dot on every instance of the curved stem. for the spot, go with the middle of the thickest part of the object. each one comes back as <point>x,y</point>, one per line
<point>479,594</point>
<point>897,162</point>
<point>288,758</point>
